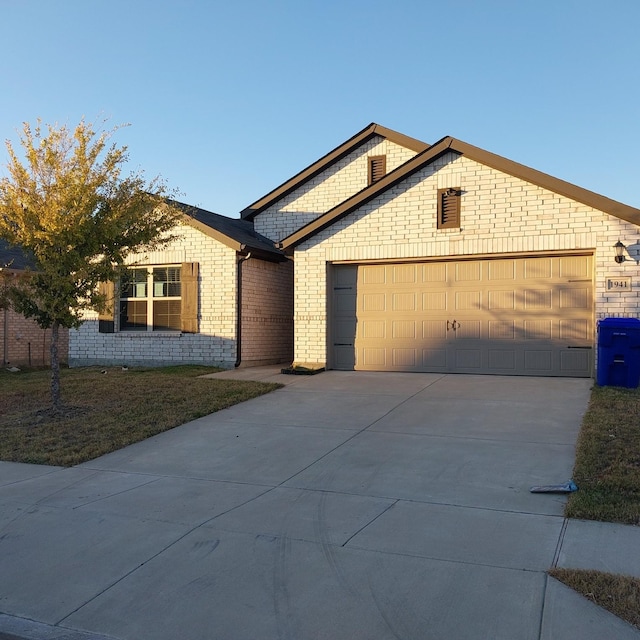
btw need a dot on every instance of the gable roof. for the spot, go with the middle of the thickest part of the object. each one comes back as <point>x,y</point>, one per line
<point>330,158</point>
<point>12,258</point>
<point>234,233</point>
<point>448,144</point>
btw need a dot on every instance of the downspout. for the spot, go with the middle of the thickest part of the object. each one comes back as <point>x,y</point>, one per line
<point>241,259</point>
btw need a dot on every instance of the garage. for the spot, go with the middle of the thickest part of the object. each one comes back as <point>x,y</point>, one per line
<point>522,315</point>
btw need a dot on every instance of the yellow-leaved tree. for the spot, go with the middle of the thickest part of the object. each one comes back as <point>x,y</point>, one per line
<point>67,205</point>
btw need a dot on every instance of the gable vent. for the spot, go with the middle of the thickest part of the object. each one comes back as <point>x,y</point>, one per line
<point>377,168</point>
<point>449,208</point>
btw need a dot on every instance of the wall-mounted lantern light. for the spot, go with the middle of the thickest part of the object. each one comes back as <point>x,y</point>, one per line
<point>619,247</point>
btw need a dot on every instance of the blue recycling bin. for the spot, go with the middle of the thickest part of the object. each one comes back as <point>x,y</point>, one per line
<point>618,352</point>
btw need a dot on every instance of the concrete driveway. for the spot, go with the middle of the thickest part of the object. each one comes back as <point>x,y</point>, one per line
<point>343,506</point>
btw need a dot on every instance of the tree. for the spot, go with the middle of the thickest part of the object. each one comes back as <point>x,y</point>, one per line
<point>70,208</point>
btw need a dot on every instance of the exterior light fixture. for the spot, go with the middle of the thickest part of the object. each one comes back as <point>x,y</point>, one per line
<point>619,247</point>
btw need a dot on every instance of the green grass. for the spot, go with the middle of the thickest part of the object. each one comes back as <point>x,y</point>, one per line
<point>607,472</point>
<point>607,468</point>
<point>104,412</point>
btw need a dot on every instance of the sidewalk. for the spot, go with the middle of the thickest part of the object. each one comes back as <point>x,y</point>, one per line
<point>343,505</point>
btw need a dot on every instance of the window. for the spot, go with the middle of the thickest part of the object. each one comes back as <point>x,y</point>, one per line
<point>377,168</point>
<point>150,299</point>
<point>449,208</point>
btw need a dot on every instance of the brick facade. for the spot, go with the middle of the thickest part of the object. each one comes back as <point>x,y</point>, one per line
<point>328,189</point>
<point>23,343</point>
<point>267,312</point>
<point>214,344</point>
<point>501,214</point>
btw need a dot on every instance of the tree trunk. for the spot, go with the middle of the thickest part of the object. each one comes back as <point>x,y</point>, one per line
<point>55,367</point>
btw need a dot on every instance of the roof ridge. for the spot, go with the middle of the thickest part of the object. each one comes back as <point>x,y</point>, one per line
<point>327,160</point>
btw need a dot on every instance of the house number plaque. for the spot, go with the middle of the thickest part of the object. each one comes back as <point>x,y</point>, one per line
<point>619,284</point>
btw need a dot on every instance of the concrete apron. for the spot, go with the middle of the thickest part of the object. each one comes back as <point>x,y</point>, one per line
<point>345,505</point>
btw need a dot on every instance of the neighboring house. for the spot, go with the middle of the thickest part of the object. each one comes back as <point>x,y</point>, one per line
<point>219,294</point>
<point>22,341</point>
<point>447,258</point>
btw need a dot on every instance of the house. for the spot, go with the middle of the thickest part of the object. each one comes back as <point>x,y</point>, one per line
<point>22,341</point>
<point>218,294</point>
<point>447,258</point>
<point>386,254</point>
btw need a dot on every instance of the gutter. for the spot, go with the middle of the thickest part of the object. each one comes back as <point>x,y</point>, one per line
<point>241,259</point>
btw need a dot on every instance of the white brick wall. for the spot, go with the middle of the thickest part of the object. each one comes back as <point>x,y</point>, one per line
<point>500,214</point>
<point>214,344</point>
<point>328,189</point>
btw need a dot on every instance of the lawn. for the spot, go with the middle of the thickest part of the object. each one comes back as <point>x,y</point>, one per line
<point>607,468</point>
<point>607,472</point>
<point>106,409</point>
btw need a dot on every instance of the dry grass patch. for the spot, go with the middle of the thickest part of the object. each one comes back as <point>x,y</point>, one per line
<point>104,412</point>
<point>607,469</point>
<point>618,594</point>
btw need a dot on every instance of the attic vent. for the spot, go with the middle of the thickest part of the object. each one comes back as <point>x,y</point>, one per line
<point>449,208</point>
<point>377,168</point>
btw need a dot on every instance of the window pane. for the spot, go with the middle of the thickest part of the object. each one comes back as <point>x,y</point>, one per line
<point>133,283</point>
<point>166,282</point>
<point>166,315</point>
<point>133,315</point>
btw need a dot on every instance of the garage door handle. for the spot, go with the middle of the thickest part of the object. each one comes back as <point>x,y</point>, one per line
<point>455,326</point>
<point>570,347</point>
<point>448,327</point>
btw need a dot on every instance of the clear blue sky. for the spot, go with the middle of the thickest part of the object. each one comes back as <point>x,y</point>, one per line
<point>227,100</point>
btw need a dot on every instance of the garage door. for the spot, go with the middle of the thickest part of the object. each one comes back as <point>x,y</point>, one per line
<point>516,316</point>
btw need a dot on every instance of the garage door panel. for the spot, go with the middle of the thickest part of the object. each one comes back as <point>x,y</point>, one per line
<point>374,357</point>
<point>502,300</point>
<point>374,302</point>
<point>575,330</point>
<point>468,300</point>
<point>401,329</point>
<point>576,362</point>
<point>468,271</point>
<point>537,268</point>
<point>434,359</point>
<point>404,273</point>
<point>502,360</point>
<point>535,299</point>
<point>434,301</point>
<point>574,298</point>
<point>501,270</point>
<point>574,267</point>
<point>467,330</point>
<point>468,359</point>
<point>502,330</point>
<point>434,329</point>
<point>434,272</point>
<point>521,316</point>
<point>538,329</point>
<point>373,274</point>
<point>538,360</point>
<point>373,329</point>
<point>404,359</point>
<point>403,301</point>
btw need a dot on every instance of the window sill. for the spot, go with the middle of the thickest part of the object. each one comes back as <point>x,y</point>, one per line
<point>148,334</point>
